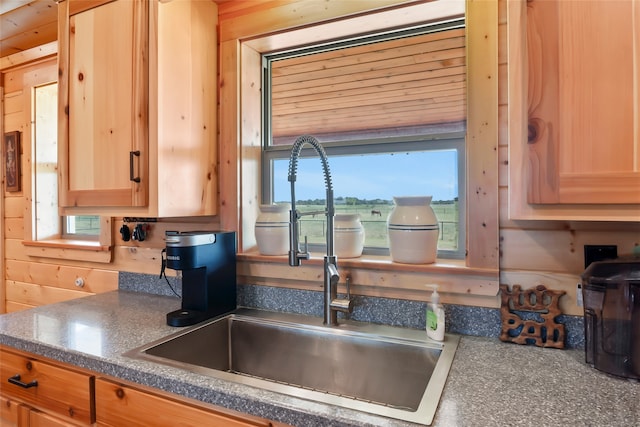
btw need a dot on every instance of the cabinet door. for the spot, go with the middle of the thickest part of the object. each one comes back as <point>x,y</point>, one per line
<point>10,412</point>
<point>118,405</point>
<point>583,59</point>
<point>42,419</point>
<point>14,414</point>
<point>103,112</point>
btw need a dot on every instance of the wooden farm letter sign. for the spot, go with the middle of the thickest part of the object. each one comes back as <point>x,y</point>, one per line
<point>539,302</point>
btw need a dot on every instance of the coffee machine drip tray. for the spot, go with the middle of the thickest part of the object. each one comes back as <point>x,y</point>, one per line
<point>186,317</point>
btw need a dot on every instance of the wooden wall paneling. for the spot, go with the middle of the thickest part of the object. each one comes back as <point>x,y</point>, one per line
<point>12,103</point>
<point>558,250</point>
<point>262,20</point>
<point>41,71</point>
<point>251,134</point>
<point>406,284</point>
<point>2,209</point>
<point>12,306</point>
<point>13,228</point>
<point>36,295</point>
<point>503,163</point>
<point>482,134</point>
<point>14,249</point>
<point>14,121</point>
<point>13,207</point>
<point>230,9</point>
<point>138,260</point>
<point>554,281</point>
<point>29,55</point>
<point>229,135</point>
<point>37,26</point>
<point>62,276</point>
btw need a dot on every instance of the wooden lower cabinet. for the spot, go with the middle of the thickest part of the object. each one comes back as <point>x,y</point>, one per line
<point>38,392</point>
<point>15,414</point>
<point>9,412</point>
<point>35,392</point>
<point>119,404</point>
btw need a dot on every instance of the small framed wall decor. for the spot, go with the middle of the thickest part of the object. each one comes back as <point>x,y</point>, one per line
<point>11,156</point>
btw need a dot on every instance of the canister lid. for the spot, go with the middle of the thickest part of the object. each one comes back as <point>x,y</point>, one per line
<point>623,269</point>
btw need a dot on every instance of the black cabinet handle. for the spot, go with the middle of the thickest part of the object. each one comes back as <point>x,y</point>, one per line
<point>131,155</point>
<point>16,380</point>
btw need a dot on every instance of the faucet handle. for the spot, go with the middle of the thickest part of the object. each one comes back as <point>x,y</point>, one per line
<point>344,305</point>
<point>304,254</point>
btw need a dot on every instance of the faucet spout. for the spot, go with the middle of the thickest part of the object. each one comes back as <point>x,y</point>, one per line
<point>331,276</point>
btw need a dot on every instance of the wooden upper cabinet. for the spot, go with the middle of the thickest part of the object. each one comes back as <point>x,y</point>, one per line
<point>583,108</point>
<point>574,92</point>
<point>107,106</point>
<point>137,108</point>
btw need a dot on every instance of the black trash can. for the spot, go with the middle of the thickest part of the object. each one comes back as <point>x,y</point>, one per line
<point>611,294</point>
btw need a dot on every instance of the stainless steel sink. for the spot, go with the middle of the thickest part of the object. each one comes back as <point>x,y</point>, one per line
<point>393,372</point>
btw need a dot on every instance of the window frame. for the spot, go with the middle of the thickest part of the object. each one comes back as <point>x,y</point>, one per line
<point>242,40</point>
<point>450,141</point>
<point>43,60</point>
<point>432,138</point>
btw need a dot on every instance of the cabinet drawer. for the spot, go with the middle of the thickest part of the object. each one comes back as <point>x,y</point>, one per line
<point>52,388</point>
<point>9,412</point>
<point>118,405</point>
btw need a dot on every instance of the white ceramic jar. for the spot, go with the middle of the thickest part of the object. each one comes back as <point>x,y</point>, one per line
<point>348,235</point>
<point>413,230</point>
<point>272,229</point>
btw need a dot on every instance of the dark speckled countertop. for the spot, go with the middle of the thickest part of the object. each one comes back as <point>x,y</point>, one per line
<point>490,384</point>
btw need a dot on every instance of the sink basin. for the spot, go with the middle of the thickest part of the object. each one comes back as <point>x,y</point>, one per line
<point>393,372</point>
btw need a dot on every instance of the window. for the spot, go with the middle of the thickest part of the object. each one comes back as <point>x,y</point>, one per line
<point>389,110</point>
<point>47,223</point>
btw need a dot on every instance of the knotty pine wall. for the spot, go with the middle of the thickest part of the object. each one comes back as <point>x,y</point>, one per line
<point>31,281</point>
<point>532,252</point>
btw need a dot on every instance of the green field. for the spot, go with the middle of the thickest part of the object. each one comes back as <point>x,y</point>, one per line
<point>375,225</point>
<point>87,225</point>
<point>314,227</point>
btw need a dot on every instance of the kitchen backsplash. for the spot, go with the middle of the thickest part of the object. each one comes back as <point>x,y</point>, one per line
<point>460,319</point>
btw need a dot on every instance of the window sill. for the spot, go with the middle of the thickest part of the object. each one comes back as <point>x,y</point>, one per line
<point>377,276</point>
<point>78,250</point>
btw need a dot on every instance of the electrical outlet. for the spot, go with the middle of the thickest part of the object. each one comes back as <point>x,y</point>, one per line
<point>593,253</point>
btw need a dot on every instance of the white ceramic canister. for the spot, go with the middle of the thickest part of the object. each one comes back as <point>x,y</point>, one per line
<point>272,229</point>
<point>413,230</point>
<point>348,235</point>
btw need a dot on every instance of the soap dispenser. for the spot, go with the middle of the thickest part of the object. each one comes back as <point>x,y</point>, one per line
<point>435,316</point>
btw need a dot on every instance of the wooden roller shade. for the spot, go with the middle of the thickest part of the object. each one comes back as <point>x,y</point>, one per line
<point>408,82</point>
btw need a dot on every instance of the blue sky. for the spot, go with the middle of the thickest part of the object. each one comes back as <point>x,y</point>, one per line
<point>376,176</point>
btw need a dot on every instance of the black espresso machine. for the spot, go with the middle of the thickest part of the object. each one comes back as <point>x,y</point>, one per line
<point>207,260</point>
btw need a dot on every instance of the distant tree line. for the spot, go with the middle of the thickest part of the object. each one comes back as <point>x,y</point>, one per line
<point>354,201</point>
